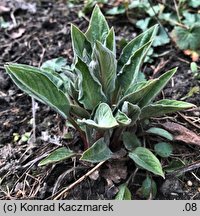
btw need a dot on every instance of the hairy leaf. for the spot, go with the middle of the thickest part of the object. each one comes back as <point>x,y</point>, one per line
<point>135,44</point>
<point>97,153</point>
<point>80,43</point>
<point>147,160</point>
<point>90,93</point>
<point>160,132</point>
<point>122,118</point>
<point>58,155</point>
<point>106,68</point>
<point>98,28</point>
<point>103,118</point>
<point>55,64</point>
<point>129,72</point>
<point>110,41</point>
<point>132,111</point>
<point>35,83</point>
<point>164,107</point>
<point>157,87</point>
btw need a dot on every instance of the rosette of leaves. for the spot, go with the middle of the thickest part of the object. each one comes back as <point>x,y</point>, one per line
<point>99,94</point>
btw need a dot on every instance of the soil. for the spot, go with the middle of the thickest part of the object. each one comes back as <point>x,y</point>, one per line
<point>40,31</point>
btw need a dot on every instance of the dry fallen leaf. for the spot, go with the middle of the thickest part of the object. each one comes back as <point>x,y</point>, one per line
<point>181,133</point>
<point>116,171</point>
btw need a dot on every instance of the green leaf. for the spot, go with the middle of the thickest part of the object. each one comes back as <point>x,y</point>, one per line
<point>124,193</point>
<point>148,188</point>
<point>156,87</point>
<point>58,155</point>
<point>143,23</point>
<point>174,165</point>
<point>122,118</point>
<point>141,92</point>
<point>97,153</point>
<point>55,64</point>
<point>81,46</point>
<point>110,41</point>
<point>90,93</point>
<point>194,3</point>
<point>161,38</point>
<point>190,18</point>
<point>164,107</point>
<point>98,28</point>
<point>163,149</point>
<point>132,111</point>
<point>192,91</point>
<point>130,140</point>
<point>106,68</point>
<point>135,44</point>
<point>129,72</point>
<point>160,132</point>
<point>147,160</point>
<point>36,84</point>
<point>121,9</point>
<point>194,67</point>
<point>103,118</point>
<point>187,38</point>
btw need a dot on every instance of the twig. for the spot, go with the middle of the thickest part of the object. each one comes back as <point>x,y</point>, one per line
<point>177,11</point>
<point>188,120</point>
<point>185,169</point>
<point>79,180</point>
<point>34,117</point>
<point>157,18</point>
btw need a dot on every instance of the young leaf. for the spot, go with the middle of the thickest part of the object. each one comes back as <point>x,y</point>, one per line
<point>148,188</point>
<point>90,93</point>
<point>103,118</point>
<point>135,44</point>
<point>164,107</point>
<point>163,149</point>
<point>160,132</point>
<point>132,111</point>
<point>98,28</point>
<point>97,153</point>
<point>106,68</point>
<point>147,160</point>
<point>80,43</point>
<point>129,72</point>
<point>137,96</point>
<point>35,83</point>
<point>58,155</point>
<point>110,41</point>
<point>122,118</point>
<point>130,140</point>
<point>55,65</point>
<point>124,193</point>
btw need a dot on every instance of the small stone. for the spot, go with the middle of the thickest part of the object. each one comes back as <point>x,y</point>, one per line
<point>189,183</point>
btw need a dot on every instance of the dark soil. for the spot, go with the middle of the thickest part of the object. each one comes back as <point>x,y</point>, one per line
<point>42,32</point>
